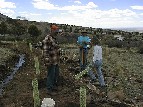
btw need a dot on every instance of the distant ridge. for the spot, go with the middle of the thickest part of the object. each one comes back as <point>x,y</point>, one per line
<point>3,17</point>
<point>131,29</point>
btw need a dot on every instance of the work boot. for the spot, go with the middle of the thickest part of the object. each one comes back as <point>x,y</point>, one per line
<point>52,93</point>
<point>103,91</point>
<point>55,88</point>
<point>49,91</point>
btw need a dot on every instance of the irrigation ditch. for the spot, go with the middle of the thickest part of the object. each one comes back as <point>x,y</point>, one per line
<point>12,73</point>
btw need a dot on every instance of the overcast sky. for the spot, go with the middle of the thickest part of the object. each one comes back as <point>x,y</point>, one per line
<point>87,13</point>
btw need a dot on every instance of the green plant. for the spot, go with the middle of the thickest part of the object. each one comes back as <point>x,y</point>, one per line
<point>30,46</point>
<point>18,29</point>
<point>33,31</point>
<point>16,43</point>
<point>35,93</point>
<point>78,76</point>
<point>115,43</point>
<point>37,65</point>
<point>82,96</point>
<point>3,28</point>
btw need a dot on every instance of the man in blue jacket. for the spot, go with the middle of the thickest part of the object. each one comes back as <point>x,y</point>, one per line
<point>83,43</point>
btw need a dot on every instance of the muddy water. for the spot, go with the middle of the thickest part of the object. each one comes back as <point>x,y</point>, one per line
<point>14,70</point>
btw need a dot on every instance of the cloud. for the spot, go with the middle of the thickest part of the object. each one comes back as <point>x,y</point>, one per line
<point>4,4</point>
<point>121,13</point>
<point>137,7</point>
<point>31,16</point>
<point>35,14</point>
<point>6,8</point>
<point>24,14</point>
<point>63,13</point>
<point>49,13</point>
<point>141,14</point>
<point>27,14</point>
<point>98,18</point>
<point>45,4</point>
<point>90,5</point>
<point>79,14</point>
<point>7,12</point>
<point>78,2</point>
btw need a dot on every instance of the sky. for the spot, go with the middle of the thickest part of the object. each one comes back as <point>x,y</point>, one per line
<point>86,13</point>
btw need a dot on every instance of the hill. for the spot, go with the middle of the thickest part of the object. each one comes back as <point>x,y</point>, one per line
<point>131,29</point>
<point>18,29</point>
<point>2,17</point>
<point>119,69</point>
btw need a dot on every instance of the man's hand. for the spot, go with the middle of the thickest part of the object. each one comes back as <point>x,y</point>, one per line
<point>46,61</point>
<point>80,46</point>
<point>85,43</point>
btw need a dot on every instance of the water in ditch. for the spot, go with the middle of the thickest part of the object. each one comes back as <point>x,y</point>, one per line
<point>14,70</point>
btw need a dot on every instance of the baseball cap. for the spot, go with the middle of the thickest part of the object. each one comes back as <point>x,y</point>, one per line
<point>54,28</point>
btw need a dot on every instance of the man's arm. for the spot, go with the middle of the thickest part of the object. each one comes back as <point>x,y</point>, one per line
<point>46,43</point>
<point>88,42</point>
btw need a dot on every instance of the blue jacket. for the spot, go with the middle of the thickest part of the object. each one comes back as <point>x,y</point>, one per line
<point>82,39</point>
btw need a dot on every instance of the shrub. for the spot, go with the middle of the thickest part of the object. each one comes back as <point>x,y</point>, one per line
<point>34,31</point>
<point>3,28</point>
<point>115,43</point>
<point>140,49</point>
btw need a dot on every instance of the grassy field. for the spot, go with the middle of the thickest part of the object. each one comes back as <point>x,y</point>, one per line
<point>127,69</point>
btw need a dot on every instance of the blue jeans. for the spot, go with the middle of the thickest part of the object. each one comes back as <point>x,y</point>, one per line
<point>97,65</point>
<point>83,58</point>
<point>52,76</point>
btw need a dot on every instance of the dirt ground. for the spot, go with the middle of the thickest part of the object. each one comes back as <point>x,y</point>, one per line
<point>19,92</point>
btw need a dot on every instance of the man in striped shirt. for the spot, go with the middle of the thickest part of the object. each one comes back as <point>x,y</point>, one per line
<point>51,58</point>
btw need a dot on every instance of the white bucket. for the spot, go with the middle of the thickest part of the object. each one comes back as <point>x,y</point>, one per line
<point>48,102</point>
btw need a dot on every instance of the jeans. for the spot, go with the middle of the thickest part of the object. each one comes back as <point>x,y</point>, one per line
<point>97,65</point>
<point>83,58</point>
<point>52,76</point>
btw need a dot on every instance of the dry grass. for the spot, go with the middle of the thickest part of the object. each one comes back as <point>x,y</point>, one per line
<point>127,69</point>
